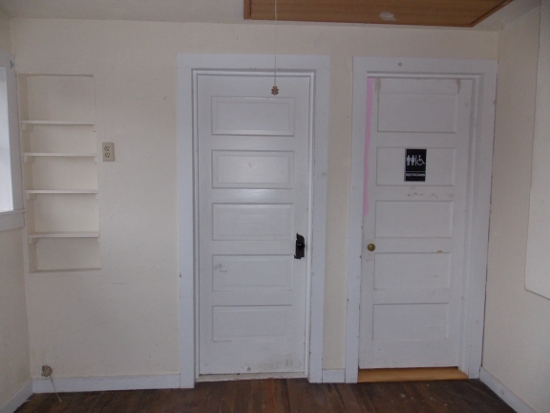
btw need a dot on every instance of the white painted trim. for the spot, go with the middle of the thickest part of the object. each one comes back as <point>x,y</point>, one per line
<point>504,392</point>
<point>248,376</point>
<point>12,219</point>
<point>320,65</point>
<point>319,218</point>
<point>334,376</point>
<point>483,73</point>
<point>537,263</point>
<point>18,398</point>
<point>78,384</point>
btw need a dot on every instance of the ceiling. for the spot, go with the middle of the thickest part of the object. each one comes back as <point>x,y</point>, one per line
<point>208,11</point>
<point>446,13</point>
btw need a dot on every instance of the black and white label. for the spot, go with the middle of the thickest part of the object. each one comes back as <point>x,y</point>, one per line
<point>415,165</point>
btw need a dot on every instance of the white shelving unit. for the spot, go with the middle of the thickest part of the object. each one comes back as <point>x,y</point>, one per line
<point>60,153</point>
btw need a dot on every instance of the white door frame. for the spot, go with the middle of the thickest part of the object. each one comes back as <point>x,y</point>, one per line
<point>483,73</point>
<point>188,66</point>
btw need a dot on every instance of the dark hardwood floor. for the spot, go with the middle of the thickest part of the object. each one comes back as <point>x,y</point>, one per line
<point>282,396</point>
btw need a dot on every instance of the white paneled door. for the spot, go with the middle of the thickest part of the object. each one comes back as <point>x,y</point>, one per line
<point>414,222</point>
<point>253,191</point>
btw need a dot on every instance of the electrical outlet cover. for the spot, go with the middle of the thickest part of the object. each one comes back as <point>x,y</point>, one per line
<point>108,151</point>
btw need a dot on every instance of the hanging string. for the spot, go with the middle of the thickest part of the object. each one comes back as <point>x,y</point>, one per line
<point>275,89</point>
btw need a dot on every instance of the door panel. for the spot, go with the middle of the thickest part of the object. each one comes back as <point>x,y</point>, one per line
<point>412,270</point>
<point>253,115</point>
<point>252,222</point>
<point>417,105</point>
<point>253,174</point>
<point>253,169</point>
<point>413,219</point>
<point>251,272</point>
<point>412,281</point>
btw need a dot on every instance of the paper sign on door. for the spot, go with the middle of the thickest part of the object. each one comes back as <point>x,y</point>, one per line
<point>415,165</point>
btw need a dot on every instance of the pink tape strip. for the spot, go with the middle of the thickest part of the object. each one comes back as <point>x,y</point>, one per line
<point>370,96</point>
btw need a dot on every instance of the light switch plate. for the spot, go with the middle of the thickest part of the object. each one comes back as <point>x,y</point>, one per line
<point>108,151</point>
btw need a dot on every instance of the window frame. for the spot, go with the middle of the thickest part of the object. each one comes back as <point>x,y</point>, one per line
<point>14,218</point>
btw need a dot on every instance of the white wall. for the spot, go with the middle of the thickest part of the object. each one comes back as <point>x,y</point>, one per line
<point>14,337</point>
<point>5,42</point>
<point>517,324</point>
<point>123,319</point>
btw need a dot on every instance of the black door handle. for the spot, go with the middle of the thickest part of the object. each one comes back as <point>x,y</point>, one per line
<point>300,247</point>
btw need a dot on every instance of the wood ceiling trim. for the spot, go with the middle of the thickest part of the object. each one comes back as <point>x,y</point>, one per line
<point>247,9</point>
<point>446,13</point>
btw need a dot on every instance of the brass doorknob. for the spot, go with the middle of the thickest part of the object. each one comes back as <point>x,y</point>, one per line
<point>371,247</point>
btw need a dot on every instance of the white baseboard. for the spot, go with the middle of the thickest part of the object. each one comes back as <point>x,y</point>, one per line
<point>18,398</point>
<point>504,392</point>
<point>78,384</point>
<point>334,376</point>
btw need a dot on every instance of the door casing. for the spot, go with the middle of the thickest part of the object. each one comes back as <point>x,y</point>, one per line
<point>188,67</point>
<point>483,74</point>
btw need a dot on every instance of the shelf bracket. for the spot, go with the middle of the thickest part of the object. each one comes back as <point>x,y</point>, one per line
<point>28,158</point>
<point>27,127</point>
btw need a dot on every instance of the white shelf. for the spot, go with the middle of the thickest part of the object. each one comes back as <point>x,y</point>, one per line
<point>61,154</point>
<point>62,191</point>
<point>56,123</point>
<point>27,155</point>
<point>66,270</point>
<point>38,235</point>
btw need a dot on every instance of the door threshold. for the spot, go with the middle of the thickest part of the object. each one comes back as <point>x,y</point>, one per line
<point>410,374</point>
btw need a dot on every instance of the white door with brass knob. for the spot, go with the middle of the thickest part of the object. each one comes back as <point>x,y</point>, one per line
<point>414,230</point>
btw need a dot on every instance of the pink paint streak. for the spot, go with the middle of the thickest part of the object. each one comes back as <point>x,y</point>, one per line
<point>370,95</point>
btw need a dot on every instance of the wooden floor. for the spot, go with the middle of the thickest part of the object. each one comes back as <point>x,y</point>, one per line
<point>278,396</point>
